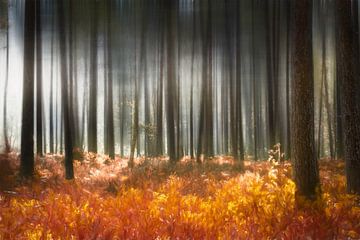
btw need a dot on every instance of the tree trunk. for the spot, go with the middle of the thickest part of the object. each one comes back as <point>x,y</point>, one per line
<point>27,124</point>
<point>171,80</point>
<point>67,118</point>
<point>305,166</point>
<point>348,62</point>
<point>6,137</point>
<point>39,124</point>
<point>92,121</point>
<point>110,114</point>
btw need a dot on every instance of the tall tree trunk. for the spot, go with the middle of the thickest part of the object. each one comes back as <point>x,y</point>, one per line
<point>238,117</point>
<point>135,108</point>
<point>92,121</point>
<point>231,85</point>
<point>27,124</point>
<point>288,69</point>
<point>305,166</point>
<point>39,118</point>
<point>110,112</point>
<point>67,118</point>
<point>348,62</point>
<point>192,82</point>
<point>171,80</point>
<point>51,96</point>
<point>159,115</point>
<point>6,137</point>
<point>255,102</point>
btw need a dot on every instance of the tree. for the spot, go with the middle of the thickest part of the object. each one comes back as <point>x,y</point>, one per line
<point>27,123</point>
<point>67,118</point>
<point>6,137</point>
<point>171,79</point>
<point>39,117</point>
<point>348,63</point>
<point>206,131</point>
<point>238,116</point>
<point>272,14</point>
<point>51,100</point>
<point>160,87</point>
<point>110,139</point>
<point>305,166</point>
<point>92,121</point>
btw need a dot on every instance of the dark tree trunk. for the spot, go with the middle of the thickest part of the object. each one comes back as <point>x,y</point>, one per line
<point>92,121</point>
<point>6,137</point>
<point>171,79</point>
<point>288,69</point>
<point>51,100</point>
<point>135,115</point>
<point>192,83</point>
<point>254,84</point>
<point>39,118</point>
<point>67,118</point>
<point>348,63</point>
<point>110,114</point>
<point>159,115</point>
<point>305,166</point>
<point>27,124</point>
<point>239,86</point>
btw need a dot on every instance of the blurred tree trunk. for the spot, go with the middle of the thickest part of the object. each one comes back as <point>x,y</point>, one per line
<point>65,98</point>
<point>238,117</point>
<point>159,105</point>
<point>192,81</point>
<point>51,96</point>
<point>39,118</point>
<point>305,166</point>
<point>110,148</point>
<point>254,84</point>
<point>92,121</point>
<point>288,71</point>
<point>6,137</point>
<point>27,124</point>
<point>171,6</point>
<point>135,106</point>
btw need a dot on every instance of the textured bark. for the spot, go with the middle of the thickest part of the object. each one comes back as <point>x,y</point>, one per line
<point>27,124</point>
<point>348,63</point>
<point>305,166</point>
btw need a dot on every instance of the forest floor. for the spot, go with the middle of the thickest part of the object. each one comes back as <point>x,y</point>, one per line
<point>214,200</point>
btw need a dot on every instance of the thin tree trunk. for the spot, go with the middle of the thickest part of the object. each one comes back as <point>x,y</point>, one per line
<point>68,138</point>
<point>6,137</point>
<point>39,118</point>
<point>92,121</point>
<point>51,102</point>
<point>110,114</point>
<point>27,126</point>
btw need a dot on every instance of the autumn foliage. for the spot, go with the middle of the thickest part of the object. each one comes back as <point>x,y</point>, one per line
<point>186,201</point>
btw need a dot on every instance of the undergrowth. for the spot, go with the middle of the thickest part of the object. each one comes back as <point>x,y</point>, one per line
<point>186,201</point>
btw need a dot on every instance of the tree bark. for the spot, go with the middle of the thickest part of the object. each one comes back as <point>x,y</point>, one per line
<point>27,124</point>
<point>348,62</point>
<point>305,166</point>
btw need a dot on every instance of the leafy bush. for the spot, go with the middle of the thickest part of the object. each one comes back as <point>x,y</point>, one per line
<point>187,202</point>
